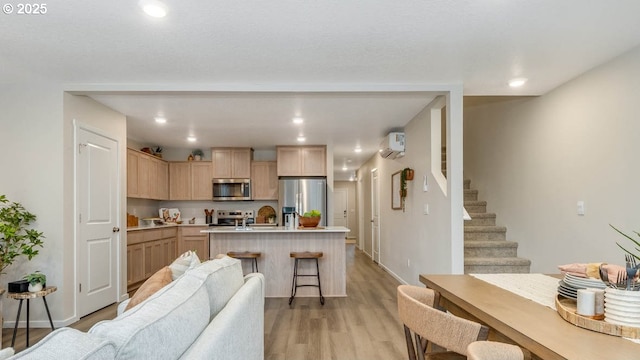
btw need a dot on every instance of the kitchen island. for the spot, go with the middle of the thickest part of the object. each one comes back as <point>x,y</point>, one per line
<point>275,244</point>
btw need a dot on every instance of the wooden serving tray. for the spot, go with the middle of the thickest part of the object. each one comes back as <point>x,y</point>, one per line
<point>567,310</point>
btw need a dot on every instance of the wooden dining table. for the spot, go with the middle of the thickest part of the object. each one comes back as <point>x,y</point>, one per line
<point>532,326</point>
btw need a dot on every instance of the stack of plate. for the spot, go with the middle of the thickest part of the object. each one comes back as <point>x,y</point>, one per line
<point>622,307</point>
<point>568,287</point>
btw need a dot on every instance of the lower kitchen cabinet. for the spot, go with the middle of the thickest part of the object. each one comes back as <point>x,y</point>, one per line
<point>149,251</point>
<point>192,239</point>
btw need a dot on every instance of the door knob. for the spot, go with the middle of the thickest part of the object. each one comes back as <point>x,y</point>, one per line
<point>116,229</point>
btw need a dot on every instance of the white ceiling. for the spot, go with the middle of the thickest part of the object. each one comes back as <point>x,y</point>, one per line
<point>373,44</point>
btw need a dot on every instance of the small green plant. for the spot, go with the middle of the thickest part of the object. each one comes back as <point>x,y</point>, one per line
<point>36,278</point>
<point>16,238</point>
<point>637,249</point>
<point>197,152</point>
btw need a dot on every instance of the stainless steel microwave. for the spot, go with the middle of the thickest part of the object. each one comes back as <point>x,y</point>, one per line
<point>231,189</point>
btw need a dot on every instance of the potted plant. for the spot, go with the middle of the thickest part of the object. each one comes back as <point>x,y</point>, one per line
<point>405,175</point>
<point>157,151</point>
<point>197,154</point>
<point>37,281</point>
<point>16,238</point>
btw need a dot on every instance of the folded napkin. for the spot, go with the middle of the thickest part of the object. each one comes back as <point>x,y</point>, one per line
<point>591,270</point>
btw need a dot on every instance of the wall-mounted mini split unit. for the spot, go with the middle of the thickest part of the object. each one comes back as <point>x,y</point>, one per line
<point>392,146</point>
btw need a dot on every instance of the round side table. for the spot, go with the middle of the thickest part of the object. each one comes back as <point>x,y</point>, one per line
<point>27,296</point>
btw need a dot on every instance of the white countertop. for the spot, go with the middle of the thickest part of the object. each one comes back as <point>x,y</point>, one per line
<point>150,227</point>
<point>273,229</point>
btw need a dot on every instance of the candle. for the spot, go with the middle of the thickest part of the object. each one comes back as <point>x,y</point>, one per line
<point>599,300</point>
<point>586,302</point>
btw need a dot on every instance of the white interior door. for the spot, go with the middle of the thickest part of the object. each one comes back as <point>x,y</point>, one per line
<point>340,207</point>
<point>375,214</point>
<point>98,225</point>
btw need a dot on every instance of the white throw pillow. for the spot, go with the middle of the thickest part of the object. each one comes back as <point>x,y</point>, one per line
<point>184,262</point>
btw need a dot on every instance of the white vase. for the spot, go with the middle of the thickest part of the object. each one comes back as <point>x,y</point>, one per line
<point>198,157</point>
<point>35,288</point>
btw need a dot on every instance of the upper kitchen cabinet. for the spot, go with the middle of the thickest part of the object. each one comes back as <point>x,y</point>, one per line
<point>231,163</point>
<point>190,180</point>
<point>147,176</point>
<point>264,180</point>
<point>302,160</point>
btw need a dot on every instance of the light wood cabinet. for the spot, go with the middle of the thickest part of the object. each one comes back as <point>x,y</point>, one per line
<point>264,180</point>
<point>192,239</point>
<point>190,181</point>
<point>147,176</point>
<point>179,181</point>
<point>147,252</point>
<point>201,187</point>
<point>132,174</point>
<point>135,265</point>
<point>162,176</point>
<point>302,160</point>
<point>231,163</point>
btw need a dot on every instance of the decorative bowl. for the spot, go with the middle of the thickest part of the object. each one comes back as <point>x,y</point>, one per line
<point>309,221</point>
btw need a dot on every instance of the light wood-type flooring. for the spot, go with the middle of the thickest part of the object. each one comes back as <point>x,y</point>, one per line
<point>363,325</point>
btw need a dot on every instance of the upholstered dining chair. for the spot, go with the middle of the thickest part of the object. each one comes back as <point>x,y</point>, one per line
<point>491,350</point>
<point>430,325</point>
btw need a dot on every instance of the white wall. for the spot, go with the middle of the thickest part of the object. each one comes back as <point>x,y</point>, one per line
<point>533,159</point>
<point>37,164</point>
<point>31,139</point>
<point>411,242</point>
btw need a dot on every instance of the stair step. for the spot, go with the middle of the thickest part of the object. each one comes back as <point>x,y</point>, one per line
<point>481,219</point>
<point>467,184</point>
<point>475,206</point>
<point>491,265</point>
<point>490,249</point>
<point>470,195</point>
<point>484,233</point>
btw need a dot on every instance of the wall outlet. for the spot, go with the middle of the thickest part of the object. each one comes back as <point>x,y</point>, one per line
<point>425,209</point>
<point>408,263</point>
<point>580,207</point>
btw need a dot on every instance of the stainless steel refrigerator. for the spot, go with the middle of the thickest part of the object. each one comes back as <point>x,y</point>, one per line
<point>303,194</point>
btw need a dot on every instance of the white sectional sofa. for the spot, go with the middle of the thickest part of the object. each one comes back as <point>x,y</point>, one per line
<point>210,312</point>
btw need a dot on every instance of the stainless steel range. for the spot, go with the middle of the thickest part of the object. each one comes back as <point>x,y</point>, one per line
<point>234,217</point>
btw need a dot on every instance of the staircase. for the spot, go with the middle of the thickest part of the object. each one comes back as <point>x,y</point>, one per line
<point>486,249</point>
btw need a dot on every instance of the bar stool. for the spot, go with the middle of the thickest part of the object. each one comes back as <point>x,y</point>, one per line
<point>306,255</point>
<point>251,255</point>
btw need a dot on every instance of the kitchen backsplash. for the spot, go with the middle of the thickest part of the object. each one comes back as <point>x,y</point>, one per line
<point>189,209</point>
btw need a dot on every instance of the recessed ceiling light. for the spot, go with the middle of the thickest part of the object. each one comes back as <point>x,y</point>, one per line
<point>160,120</point>
<point>517,82</point>
<point>344,168</point>
<point>154,8</point>
<point>358,149</point>
<point>298,120</point>
<point>301,139</point>
<point>191,139</point>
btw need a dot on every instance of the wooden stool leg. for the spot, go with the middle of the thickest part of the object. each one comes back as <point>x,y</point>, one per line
<point>44,298</point>
<point>15,328</point>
